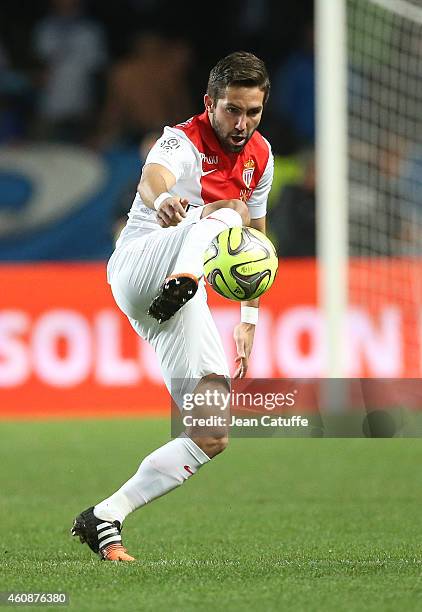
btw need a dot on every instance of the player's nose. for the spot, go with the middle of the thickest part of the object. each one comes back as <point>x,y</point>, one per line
<point>241,123</point>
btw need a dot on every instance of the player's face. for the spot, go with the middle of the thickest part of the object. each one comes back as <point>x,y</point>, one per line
<point>235,116</point>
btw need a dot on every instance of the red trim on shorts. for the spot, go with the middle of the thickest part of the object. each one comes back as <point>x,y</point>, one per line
<point>215,219</point>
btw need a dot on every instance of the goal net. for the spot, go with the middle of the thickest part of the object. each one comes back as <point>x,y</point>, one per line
<point>384,117</point>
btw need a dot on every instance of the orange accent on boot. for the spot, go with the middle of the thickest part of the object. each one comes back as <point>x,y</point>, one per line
<point>182,275</point>
<point>115,552</point>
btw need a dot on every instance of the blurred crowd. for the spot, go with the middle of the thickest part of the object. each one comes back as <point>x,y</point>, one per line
<point>111,75</point>
<point>79,71</point>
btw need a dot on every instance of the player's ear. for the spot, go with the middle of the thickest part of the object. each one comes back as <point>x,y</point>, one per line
<point>209,103</point>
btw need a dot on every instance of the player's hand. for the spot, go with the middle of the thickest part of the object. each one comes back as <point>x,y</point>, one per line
<point>243,336</point>
<point>172,211</point>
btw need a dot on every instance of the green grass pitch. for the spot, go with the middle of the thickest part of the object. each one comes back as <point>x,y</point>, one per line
<point>274,524</point>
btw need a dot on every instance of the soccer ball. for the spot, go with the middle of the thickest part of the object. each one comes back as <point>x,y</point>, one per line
<point>240,263</point>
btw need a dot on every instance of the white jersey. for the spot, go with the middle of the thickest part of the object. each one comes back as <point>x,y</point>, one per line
<point>205,173</point>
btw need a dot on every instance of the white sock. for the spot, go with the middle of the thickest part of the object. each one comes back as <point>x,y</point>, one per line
<point>199,237</point>
<point>160,472</point>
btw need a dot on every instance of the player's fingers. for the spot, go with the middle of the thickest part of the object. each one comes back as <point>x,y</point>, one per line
<point>173,218</point>
<point>241,362</point>
<point>162,219</point>
<point>178,217</point>
<point>244,368</point>
<point>165,210</point>
<point>241,370</point>
<point>184,202</point>
<point>237,372</point>
<point>164,222</point>
<point>179,209</point>
<point>240,347</point>
<point>175,221</point>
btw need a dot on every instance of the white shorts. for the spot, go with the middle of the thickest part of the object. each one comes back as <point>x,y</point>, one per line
<point>188,345</point>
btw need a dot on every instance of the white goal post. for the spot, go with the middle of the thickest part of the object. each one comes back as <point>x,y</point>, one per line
<point>369,175</point>
<point>331,172</point>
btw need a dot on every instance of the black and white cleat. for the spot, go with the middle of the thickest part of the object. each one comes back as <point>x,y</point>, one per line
<point>175,291</point>
<point>103,537</point>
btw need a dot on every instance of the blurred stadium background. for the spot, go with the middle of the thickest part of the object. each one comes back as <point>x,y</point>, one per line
<point>312,524</point>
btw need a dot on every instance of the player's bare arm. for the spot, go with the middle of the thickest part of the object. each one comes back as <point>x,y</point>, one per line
<point>156,180</point>
<point>244,332</point>
<point>259,224</point>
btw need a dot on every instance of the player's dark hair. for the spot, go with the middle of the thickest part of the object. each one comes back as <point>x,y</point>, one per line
<point>239,68</point>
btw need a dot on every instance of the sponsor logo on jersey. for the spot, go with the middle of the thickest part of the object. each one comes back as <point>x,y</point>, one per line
<point>245,194</point>
<point>170,143</point>
<point>212,160</point>
<point>248,170</point>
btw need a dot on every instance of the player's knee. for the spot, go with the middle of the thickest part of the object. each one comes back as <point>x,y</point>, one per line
<point>232,212</point>
<point>240,207</point>
<point>218,445</point>
<point>212,445</point>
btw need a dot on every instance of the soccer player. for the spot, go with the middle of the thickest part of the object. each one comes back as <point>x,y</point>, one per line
<point>202,176</point>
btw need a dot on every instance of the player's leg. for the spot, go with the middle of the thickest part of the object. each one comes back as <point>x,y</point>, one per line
<point>186,350</point>
<point>237,205</point>
<point>215,218</point>
<point>181,285</point>
<point>171,465</point>
<point>193,361</point>
<point>131,274</point>
<point>214,394</point>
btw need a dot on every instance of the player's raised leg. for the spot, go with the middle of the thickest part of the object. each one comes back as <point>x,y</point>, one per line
<point>181,285</point>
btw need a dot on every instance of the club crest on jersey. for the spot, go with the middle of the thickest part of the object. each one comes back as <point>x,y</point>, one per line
<point>248,170</point>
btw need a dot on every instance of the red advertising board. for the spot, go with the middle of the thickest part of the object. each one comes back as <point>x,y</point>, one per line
<point>66,349</point>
